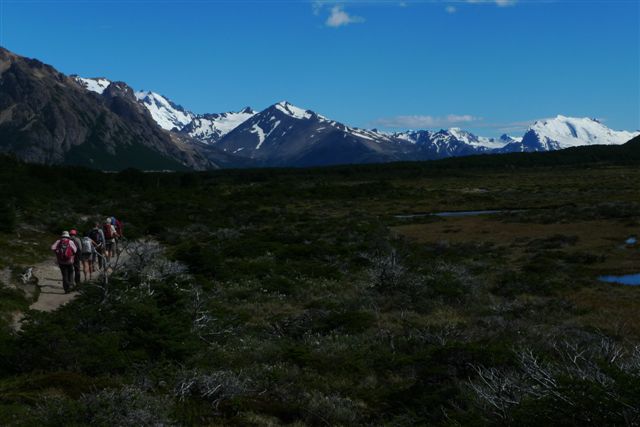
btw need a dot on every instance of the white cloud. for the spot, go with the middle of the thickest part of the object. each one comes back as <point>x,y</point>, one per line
<point>421,121</point>
<point>338,17</point>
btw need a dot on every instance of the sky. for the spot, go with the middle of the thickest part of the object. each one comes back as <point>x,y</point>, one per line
<point>488,66</point>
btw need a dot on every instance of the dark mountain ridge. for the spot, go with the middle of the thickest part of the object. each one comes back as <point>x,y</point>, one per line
<point>47,117</point>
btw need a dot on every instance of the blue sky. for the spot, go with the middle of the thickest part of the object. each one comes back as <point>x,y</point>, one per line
<point>484,65</point>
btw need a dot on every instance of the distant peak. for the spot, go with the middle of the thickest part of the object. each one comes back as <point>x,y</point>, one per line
<point>293,111</point>
<point>564,132</point>
<point>287,105</point>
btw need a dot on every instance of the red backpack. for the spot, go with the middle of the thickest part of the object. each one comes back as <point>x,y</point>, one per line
<point>108,231</point>
<point>64,252</point>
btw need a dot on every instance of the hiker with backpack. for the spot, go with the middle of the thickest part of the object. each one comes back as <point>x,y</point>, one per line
<point>97,236</point>
<point>65,250</point>
<point>110,239</point>
<point>76,261</point>
<point>86,256</point>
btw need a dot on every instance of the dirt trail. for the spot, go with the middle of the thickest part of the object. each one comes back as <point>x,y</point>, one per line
<point>52,294</point>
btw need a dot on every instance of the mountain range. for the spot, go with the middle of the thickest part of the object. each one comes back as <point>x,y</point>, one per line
<point>48,117</point>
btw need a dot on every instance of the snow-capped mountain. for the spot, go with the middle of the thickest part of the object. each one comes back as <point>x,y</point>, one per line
<point>210,128</point>
<point>269,128</point>
<point>453,141</point>
<point>167,114</point>
<point>474,140</point>
<point>444,143</point>
<point>286,135</point>
<point>118,118</point>
<point>572,132</point>
<point>565,132</point>
<point>170,116</point>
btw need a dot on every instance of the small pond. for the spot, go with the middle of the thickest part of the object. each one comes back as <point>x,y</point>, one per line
<point>628,279</point>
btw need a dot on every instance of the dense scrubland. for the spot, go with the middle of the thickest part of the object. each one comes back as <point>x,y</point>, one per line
<point>271,297</point>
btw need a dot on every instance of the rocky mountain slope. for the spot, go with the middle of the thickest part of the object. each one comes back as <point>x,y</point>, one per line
<point>207,128</point>
<point>285,135</point>
<point>48,117</point>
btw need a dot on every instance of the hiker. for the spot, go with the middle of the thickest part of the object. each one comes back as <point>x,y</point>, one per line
<point>119,228</point>
<point>76,261</point>
<point>118,225</point>
<point>65,250</point>
<point>109,238</point>
<point>97,236</point>
<point>86,256</point>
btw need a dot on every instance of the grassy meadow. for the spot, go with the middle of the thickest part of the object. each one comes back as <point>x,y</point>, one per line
<point>305,298</point>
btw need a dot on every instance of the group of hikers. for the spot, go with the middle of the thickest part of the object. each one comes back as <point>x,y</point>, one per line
<point>96,247</point>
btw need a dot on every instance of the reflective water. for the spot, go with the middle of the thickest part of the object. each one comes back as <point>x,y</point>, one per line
<point>628,279</point>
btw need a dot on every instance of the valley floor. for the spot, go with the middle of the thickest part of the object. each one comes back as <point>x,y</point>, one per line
<point>309,297</point>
